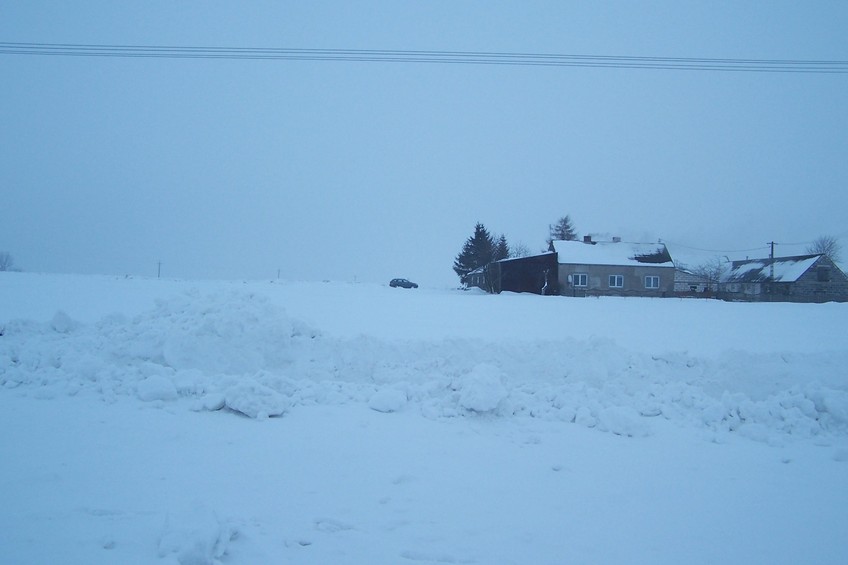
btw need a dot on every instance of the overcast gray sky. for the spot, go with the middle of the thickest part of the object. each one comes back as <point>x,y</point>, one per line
<point>370,170</point>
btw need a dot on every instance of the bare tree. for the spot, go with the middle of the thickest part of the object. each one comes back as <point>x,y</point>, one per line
<point>711,271</point>
<point>519,250</point>
<point>6,261</point>
<point>826,245</point>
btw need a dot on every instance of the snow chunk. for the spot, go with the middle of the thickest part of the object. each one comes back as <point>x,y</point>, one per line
<point>583,417</point>
<point>255,400</point>
<point>228,333</point>
<point>62,323</point>
<point>388,400</point>
<point>623,421</point>
<point>211,402</point>
<point>156,387</point>
<point>482,389</point>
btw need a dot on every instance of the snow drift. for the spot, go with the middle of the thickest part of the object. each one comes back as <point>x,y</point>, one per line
<point>240,351</point>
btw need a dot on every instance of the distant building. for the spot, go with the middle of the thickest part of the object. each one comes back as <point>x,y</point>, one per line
<point>477,278</point>
<point>688,283</point>
<point>583,268</point>
<point>802,278</point>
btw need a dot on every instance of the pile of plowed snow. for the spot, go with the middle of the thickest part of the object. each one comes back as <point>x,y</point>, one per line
<point>238,350</point>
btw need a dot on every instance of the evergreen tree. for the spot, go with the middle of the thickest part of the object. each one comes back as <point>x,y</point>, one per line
<point>563,229</point>
<point>501,249</point>
<point>478,250</point>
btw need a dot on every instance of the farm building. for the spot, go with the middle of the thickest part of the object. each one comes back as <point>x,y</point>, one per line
<point>614,268</point>
<point>587,268</point>
<point>536,274</point>
<point>801,278</point>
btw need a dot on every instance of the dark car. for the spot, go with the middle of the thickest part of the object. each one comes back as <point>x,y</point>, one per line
<point>402,283</point>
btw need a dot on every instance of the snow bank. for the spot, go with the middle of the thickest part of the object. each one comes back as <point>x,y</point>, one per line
<point>240,351</point>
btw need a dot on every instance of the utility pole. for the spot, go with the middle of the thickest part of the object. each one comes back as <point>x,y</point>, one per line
<point>159,269</point>
<point>771,265</point>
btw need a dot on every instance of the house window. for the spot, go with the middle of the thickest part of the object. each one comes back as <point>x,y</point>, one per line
<point>616,281</point>
<point>580,279</point>
<point>823,274</point>
<point>652,282</point>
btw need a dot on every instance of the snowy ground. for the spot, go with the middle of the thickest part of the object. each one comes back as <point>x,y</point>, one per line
<point>153,421</point>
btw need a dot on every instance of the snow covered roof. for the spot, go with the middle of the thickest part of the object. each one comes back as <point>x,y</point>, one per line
<point>617,253</point>
<point>786,269</point>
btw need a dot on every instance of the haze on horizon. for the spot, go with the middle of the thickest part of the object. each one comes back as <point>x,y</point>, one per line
<point>344,170</point>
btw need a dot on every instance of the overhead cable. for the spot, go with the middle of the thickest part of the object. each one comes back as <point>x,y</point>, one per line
<point>432,57</point>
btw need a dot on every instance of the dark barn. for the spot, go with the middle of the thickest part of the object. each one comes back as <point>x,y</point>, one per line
<point>536,274</point>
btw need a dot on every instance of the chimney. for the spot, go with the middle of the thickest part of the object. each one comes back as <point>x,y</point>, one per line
<point>587,239</point>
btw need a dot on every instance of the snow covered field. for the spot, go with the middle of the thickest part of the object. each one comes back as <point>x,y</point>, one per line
<point>198,422</point>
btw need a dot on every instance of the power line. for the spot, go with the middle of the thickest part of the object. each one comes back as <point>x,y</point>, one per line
<point>431,57</point>
<point>715,250</point>
<point>795,243</point>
